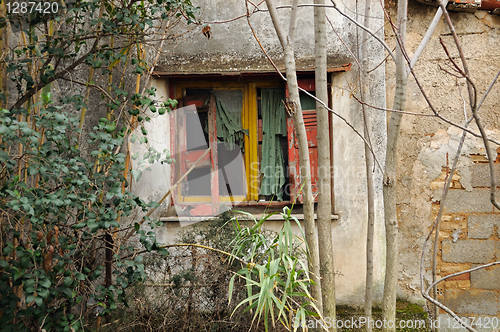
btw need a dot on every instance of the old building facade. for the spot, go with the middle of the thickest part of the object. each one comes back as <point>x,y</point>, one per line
<point>252,131</point>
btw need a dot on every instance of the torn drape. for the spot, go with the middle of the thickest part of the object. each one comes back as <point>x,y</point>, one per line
<point>229,129</point>
<point>274,128</point>
<point>228,105</point>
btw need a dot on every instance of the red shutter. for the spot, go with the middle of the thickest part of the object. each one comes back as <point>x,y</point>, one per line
<point>293,155</point>
<point>308,84</point>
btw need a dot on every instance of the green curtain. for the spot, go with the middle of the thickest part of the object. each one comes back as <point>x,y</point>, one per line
<point>228,118</point>
<point>274,128</point>
<point>229,128</point>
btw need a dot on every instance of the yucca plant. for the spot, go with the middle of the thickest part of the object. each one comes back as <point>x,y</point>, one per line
<point>277,279</point>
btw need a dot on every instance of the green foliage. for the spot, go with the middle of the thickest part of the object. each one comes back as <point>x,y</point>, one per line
<point>275,270</point>
<point>84,35</point>
<point>56,208</point>
<point>60,206</point>
<point>93,38</point>
<point>151,156</point>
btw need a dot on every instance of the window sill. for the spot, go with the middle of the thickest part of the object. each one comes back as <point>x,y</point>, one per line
<point>274,217</point>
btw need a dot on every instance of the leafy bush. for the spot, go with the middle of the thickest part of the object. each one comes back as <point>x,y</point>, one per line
<point>187,290</point>
<point>62,248</point>
<point>59,214</point>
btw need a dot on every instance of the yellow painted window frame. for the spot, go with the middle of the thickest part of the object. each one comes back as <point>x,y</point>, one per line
<point>253,160</point>
<point>249,121</point>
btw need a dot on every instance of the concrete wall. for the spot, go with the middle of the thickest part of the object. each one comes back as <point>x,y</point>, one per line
<point>232,46</point>
<point>427,148</point>
<point>232,49</point>
<point>155,180</point>
<point>350,193</point>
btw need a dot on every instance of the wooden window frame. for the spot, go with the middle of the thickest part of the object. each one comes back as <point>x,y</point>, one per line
<point>251,160</point>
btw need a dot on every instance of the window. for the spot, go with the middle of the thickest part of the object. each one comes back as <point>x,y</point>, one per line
<point>253,157</point>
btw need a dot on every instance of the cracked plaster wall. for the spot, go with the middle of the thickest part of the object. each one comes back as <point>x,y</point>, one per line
<point>428,144</point>
<point>232,46</point>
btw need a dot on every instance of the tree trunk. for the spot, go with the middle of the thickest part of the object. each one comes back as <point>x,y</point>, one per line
<point>365,97</point>
<point>390,175</point>
<point>304,163</point>
<point>325,238</point>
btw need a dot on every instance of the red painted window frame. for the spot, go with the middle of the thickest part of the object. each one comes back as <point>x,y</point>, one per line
<point>310,120</point>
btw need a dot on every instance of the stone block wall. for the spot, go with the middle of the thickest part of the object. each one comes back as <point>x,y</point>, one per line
<point>428,144</point>
<point>469,237</point>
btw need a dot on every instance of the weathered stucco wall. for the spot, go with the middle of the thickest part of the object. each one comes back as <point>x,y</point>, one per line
<point>154,182</point>
<point>351,195</point>
<point>427,147</point>
<point>233,49</point>
<point>232,46</point>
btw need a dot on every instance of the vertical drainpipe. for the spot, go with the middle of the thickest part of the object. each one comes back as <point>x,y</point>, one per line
<point>331,135</point>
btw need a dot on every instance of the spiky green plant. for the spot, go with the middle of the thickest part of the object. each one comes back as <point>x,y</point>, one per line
<point>277,279</point>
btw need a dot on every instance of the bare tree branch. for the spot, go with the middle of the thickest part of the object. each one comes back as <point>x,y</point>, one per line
<point>93,86</point>
<point>314,97</point>
<point>442,5</point>
<point>366,29</point>
<point>488,91</point>
<point>473,104</point>
<point>390,171</point>
<point>262,47</point>
<point>491,159</point>
<point>324,179</point>
<point>24,98</point>
<point>304,161</point>
<point>430,104</point>
<point>347,123</point>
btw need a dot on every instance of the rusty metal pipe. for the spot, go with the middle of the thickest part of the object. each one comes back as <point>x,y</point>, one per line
<point>490,4</point>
